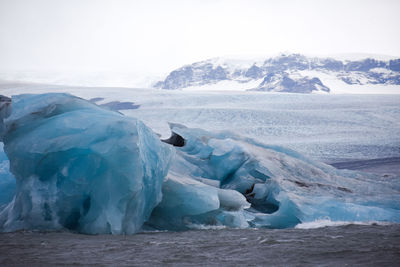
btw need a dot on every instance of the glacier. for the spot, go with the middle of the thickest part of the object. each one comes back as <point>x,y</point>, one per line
<point>282,187</point>
<point>80,167</point>
<point>70,164</point>
<point>7,180</point>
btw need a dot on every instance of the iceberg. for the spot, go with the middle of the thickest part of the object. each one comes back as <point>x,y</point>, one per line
<point>78,166</point>
<point>188,203</point>
<point>7,180</point>
<point>70,164</point>
<point>282,188</point>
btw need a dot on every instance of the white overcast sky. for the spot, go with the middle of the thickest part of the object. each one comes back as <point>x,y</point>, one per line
<point>158,36</point>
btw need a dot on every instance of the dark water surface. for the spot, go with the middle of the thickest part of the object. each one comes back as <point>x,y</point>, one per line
<point>362,245</point>
<point>382,166</point>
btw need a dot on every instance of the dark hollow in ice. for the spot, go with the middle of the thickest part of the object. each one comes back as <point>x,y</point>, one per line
<point>96,99</point>
<point>175,140</point>
<point>5,108</point>
<point>117,105</point>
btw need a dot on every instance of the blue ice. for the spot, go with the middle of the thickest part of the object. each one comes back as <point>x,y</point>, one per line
<point>282,187</point>
<point>7,180</point>
<point>78,166</point>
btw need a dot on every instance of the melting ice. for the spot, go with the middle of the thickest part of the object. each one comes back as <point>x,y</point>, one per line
<point>79,166</point>
<point>75,165</point>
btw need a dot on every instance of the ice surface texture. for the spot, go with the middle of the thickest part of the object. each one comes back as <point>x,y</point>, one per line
<point>7,180</point>
<point>80,167</point>
<point>283,187</point>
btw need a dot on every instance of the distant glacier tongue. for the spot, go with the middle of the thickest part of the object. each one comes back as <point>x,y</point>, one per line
<point>80,167</point>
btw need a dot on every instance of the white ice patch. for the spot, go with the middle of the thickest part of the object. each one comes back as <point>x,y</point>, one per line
<point>328,223</point>
<point>337,86</point>
<point>226,86</point>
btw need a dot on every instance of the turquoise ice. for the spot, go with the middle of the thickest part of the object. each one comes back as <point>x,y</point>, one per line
<point>283,187</point>
<point>80,167</point>
<point>7,180</point>
<point>69,164</point>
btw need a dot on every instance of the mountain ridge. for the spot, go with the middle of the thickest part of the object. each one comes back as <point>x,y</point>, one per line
<point>293,73</point>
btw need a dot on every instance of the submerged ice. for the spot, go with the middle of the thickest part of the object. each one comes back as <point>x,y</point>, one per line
<point>78,166</point>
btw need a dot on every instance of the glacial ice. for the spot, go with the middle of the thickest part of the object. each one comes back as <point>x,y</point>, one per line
<point>283,187</point>
<point>187,202</point>
<point>81,167</point>
<point>7,180</point>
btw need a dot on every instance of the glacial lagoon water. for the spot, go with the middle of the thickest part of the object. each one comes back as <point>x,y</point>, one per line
<point>346,245</point>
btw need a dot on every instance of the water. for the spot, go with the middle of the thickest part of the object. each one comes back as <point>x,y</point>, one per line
<point>384,166</point>
<point>364,245</point>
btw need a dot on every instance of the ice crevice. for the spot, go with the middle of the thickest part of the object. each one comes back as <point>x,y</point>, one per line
<point>70,164</point>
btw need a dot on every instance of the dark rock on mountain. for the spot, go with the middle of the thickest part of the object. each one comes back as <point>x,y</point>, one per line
<point>281,82</point>
<point>394,65</point>
<point>254,72</point>
<point>179,78</point>
<point>364,65</point>
<point>216,74</point>
<point>284,62</point>
<point>329,64</point>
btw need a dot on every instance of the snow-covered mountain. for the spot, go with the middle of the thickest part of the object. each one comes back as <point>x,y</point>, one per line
<point>287,73</point>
